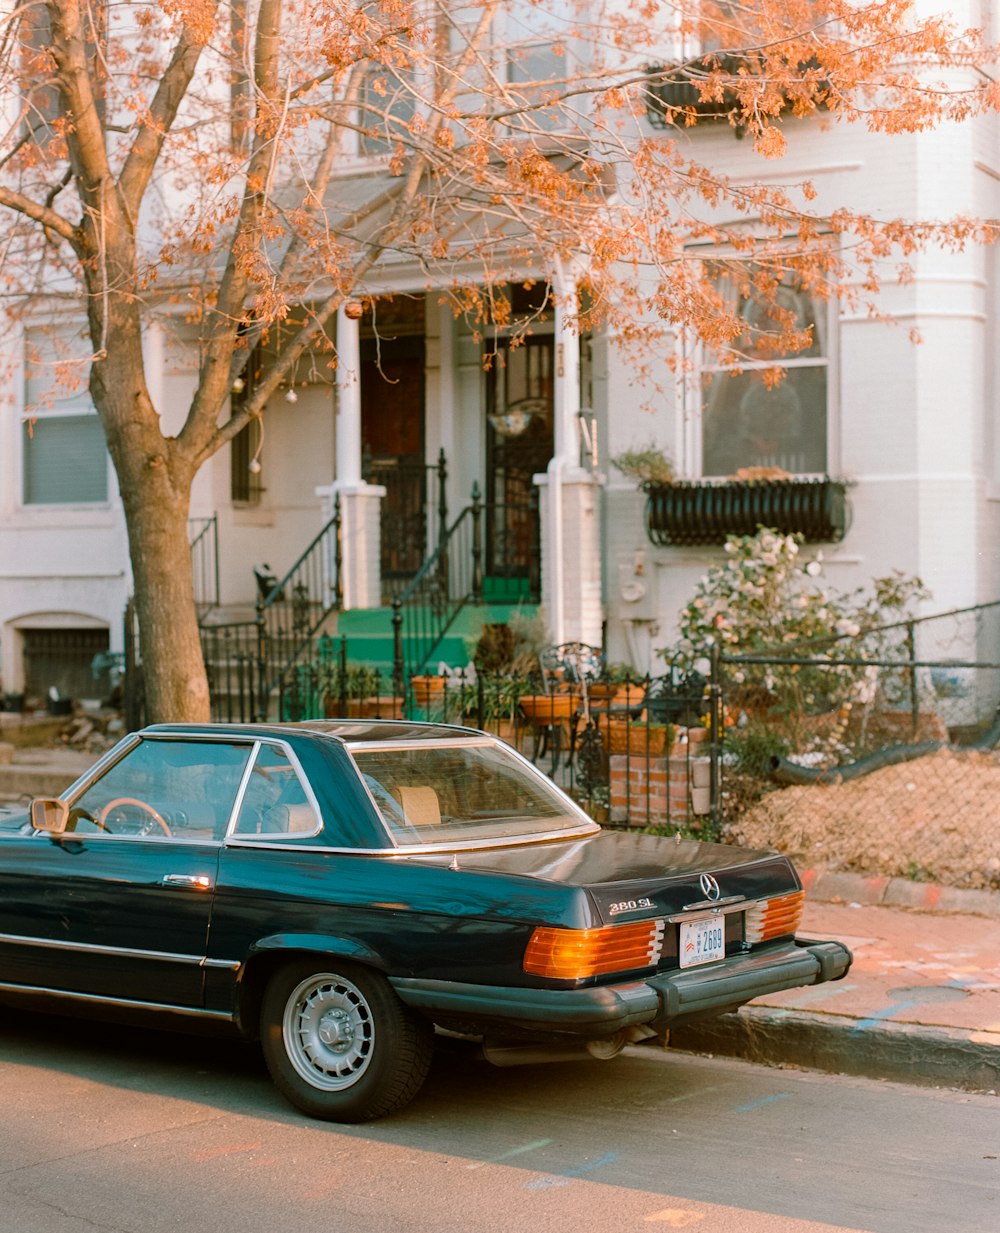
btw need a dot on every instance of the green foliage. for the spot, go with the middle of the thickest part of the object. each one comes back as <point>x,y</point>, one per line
<point>647,465</point>
<point>754,746</point>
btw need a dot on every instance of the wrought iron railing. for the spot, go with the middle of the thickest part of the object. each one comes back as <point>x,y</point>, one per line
<point>706,512</point>
<point>288,616</point>
<point>203,534</point>
<point>449,579</point>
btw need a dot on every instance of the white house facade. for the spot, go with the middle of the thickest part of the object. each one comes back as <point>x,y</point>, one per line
<point>909,428</point>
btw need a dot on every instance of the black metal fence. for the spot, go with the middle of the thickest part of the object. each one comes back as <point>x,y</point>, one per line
<point>633,751</point>
<point>874,753</point>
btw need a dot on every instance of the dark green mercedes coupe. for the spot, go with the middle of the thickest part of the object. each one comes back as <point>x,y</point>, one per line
<point>341,889</point>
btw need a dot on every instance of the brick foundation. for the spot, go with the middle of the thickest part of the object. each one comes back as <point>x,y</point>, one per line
<point>651,791</point>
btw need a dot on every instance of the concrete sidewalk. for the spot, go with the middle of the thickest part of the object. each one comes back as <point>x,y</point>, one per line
<point>40,771</point>
<point>921,1003</point>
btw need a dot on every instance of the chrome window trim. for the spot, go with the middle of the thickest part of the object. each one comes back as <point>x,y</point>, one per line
<point>428,849</point>
<point>93,773</point>
<point>275,742</point>
<point>102,836</point>
<point>442,742</point>
<point>197,1012</point>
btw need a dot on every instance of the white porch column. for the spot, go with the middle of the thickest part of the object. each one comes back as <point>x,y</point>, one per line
<point>360,503</point>
<point>568,497</point>
<point>348,400</point>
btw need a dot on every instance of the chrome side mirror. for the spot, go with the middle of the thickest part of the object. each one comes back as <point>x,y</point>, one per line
<point>48,813</point>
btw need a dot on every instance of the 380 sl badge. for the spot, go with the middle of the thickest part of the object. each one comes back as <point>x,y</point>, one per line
<point>629,905</point>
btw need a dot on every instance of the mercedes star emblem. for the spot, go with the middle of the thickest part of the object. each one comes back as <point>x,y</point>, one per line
<point>709,886</point>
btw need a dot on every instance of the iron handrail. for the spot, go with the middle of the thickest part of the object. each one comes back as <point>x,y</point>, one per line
<point>296,606</point>
<point>440,589</point>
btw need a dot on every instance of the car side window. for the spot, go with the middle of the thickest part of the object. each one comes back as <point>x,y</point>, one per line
<point>275,803</point>
<point>164,788</point>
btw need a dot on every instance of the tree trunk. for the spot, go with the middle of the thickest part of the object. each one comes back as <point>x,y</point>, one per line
<point>174,671</point>
<point>154,476</point>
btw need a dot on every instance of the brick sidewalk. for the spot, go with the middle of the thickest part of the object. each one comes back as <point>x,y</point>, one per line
<point>921,1003</point>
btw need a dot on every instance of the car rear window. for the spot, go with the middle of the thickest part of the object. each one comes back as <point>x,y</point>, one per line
<point>443,793</point>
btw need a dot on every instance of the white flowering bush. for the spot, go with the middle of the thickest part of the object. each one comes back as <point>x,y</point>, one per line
<point>770,597</point>
<point>768,594</point>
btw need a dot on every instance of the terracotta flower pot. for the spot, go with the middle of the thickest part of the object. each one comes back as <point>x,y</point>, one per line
<point>546,709</point>
<point>601,691</point>
<point>427,690</point>
<point>629,695</point>
<point>638,738</point>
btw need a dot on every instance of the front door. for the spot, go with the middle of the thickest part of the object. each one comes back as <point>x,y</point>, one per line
<point>392,434</point>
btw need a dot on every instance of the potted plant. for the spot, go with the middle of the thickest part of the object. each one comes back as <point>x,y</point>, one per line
<point>428,689</point>
<point>645,738</point>
<point>500,710</point>
<point>647,464</point>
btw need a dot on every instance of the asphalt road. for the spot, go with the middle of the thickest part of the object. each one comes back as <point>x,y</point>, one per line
<point>124,1130</point>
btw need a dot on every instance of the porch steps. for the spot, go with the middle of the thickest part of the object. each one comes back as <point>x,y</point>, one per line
<point>370,641</point>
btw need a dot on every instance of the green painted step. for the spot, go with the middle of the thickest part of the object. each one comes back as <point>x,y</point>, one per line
<point>370,638</point>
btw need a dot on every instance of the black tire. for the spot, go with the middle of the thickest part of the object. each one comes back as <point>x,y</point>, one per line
<point>339,1043</point>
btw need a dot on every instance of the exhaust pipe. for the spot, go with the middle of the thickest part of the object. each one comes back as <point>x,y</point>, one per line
<point>529,1053</point>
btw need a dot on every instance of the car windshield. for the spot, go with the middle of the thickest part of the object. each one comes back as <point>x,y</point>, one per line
<point>461,792</point>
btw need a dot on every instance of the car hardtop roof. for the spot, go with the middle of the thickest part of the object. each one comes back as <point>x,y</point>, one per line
<point>350,731</point>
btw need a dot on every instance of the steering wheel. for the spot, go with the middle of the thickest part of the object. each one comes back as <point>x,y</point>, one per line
<point>145,829</point>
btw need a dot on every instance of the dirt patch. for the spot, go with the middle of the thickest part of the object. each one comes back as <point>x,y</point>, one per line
<point>935,819</point>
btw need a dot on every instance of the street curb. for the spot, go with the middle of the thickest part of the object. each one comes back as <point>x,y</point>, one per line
<point>835,887</point>
<point>902,1052</point>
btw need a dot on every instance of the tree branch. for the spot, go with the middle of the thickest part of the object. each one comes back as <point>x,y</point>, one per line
<point>170,93</point>
<point>48,218</point>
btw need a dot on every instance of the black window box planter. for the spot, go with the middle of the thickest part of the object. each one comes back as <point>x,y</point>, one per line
<point>669,98</point>
<point>706,512</point>
<point>666,95</point>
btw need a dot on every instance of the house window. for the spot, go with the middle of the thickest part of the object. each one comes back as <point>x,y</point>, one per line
<point>747,418</point>
<point>536,58</point>
<point>387,107</point>
<point>245,467</point>
<point>63,450</point>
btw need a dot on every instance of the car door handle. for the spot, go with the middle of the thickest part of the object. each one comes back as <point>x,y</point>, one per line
<point>188,881</point>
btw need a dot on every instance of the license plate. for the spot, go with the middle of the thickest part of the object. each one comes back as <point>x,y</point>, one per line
<point>702,941</point>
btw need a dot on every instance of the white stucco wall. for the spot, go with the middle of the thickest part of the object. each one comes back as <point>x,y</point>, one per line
<point>913,425</point>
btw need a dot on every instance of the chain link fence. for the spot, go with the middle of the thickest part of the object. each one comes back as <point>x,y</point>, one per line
<point>875,753</point>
